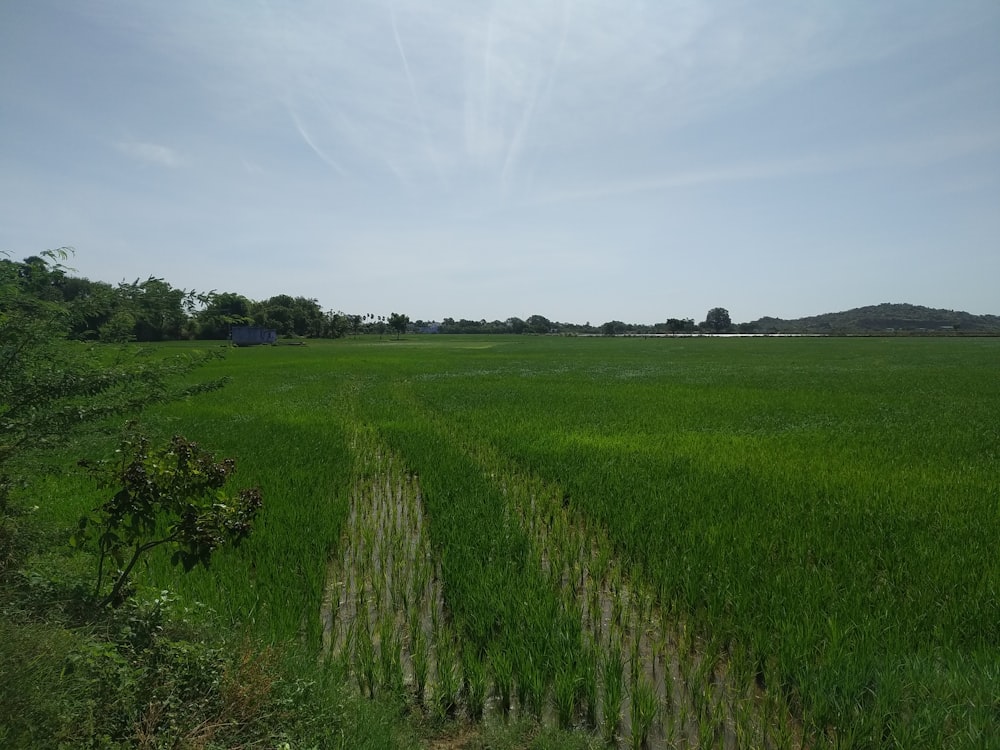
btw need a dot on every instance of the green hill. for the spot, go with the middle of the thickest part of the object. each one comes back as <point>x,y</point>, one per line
<point>884,318</point>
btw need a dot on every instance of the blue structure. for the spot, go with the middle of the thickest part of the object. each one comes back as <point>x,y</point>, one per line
<point>252,335</point>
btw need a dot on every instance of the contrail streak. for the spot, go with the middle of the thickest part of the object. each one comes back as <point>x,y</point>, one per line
<point>524,125</point>
<point>318,151</point>
<point>416,99</point>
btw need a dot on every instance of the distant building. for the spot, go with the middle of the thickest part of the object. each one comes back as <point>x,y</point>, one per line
<point>252,335</point>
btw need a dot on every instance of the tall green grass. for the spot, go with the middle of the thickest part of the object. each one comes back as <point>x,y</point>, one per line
<point>827,507</point>
<point>830,503</point>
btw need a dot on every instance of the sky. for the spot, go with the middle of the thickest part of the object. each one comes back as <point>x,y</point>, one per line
<point>585,160</point>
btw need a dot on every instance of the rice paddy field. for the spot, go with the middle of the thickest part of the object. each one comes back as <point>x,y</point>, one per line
<point>654,542</point>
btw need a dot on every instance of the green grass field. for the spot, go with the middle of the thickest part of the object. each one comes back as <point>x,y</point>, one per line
<point>709,542</point>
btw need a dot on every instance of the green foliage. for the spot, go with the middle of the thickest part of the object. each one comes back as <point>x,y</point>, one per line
<point>50,386</point>
<point>538,324</point>
<point>718,320</point>
<point>680,325</point>
<point>158,674</point>
<point>159,311</point>
<point>398,323</point>
<point>883,318</point>
<point>221,311</point>
<point>173,496</point>
<point>290,316</point>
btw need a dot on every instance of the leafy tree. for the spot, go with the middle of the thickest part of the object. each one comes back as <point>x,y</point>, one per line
<point>98,311</point>
<point>613,328</point>
<point>170,496</point>
<point>355,321</point>
<point>516,325</point>
<point>398,323</point>
<point>718,320</point>
<point>538,324</point>
<point>118,329</point>
<point>335,325</point>
<point>290,316</point>
<point>678,325</point>
<point>43,276</point>
<point>158,308</point>
<point>221,311</point>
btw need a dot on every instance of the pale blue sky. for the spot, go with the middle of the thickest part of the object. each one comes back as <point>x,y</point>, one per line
<point>585,160</point>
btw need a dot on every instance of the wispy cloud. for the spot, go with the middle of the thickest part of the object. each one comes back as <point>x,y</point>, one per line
<point>321,153</point>
<point>529,101</point>
<point>417,107</point>
<point>912,153</point>
<point>152,153</point>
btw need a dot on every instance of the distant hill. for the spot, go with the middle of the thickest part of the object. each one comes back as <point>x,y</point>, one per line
<point>883,318</point>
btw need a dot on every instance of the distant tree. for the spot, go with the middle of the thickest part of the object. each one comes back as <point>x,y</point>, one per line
<point>516,325</point>
<point>717,320</point>
<point>678,325</point>
<point>613,328</point>
<point>398,323</point>
<point>335,325</point>
<point>538,324</point>
<point>354,323</point>
<point>290,316</point>
<point>42,277</point>
<point>98,311</point>
<point>158,309</point>
<point>221,311</point>
<point>464,325</point>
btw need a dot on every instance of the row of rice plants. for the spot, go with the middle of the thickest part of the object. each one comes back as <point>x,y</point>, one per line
<point>643,674</point>
<point>383,612</point>
<point>508,618</point>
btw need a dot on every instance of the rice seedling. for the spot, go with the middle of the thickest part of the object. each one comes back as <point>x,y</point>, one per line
<point>565,693</point>
<point>419,656</point>
<point>503,676</point>
<point>390,664</point>
<point>612,671</point>
<point>588,695</point>
<point>643,711</point>
<point>534,690</point>
<point>474,672</point>
<point>364,655</point>
<point>447,681</point>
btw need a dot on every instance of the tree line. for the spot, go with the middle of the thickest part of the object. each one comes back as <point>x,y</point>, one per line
<point>154,310</point>
<point>716,321</point>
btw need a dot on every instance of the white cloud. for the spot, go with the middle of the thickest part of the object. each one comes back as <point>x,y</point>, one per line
<point>152,153</point>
